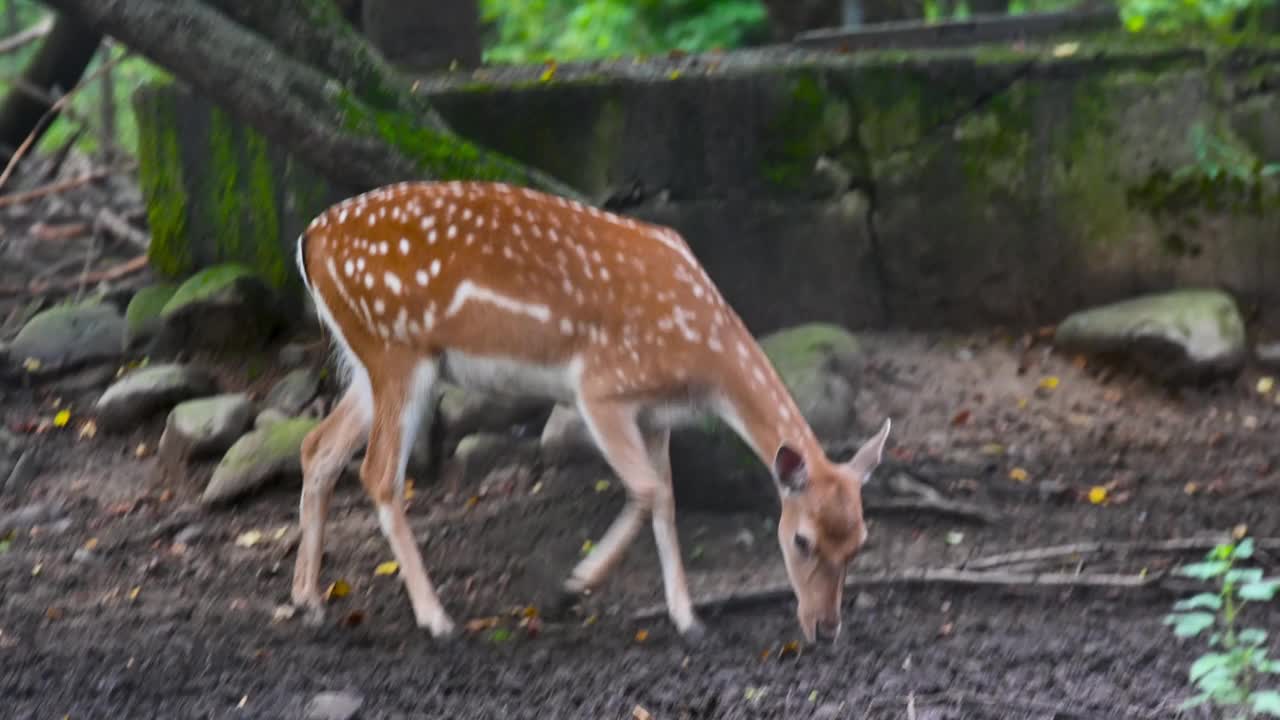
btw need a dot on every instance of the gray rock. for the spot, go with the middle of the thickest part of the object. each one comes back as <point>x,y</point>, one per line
<point>292,355</point>
<point>189,534</point>
<point>219,308</point>
<point>84,556</point>
<point>203,427</point>
<point>142,316</point>
<point>1268,355</point>
<point>1178,335</point>
<point>565,435</point>
<point>270,416</point>
<point>334,706</point>
<point>68,336</point>
<point>29,516</point>
<point>466,413</point>
<point>147,391</point>
<point>258,457</point>
<point>292,393</point>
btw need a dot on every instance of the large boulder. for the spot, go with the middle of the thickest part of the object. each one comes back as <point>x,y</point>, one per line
<point>293,391</point>
<point>147,391</point>
<point>203,427</point>
<point>225,307</point>
<point>1179,335</point>
<point>69,336</point>
<point>264,454</point>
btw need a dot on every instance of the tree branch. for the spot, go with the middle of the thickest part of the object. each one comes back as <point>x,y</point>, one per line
<point>326,125</point>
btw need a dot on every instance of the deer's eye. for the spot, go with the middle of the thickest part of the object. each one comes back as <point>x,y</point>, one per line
<point>803,544</point>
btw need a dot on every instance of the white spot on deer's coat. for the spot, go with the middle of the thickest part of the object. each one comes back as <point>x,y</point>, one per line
<point>404,246</point>
<point>566,326</point>
<point>368,281</point>
<point>349,268</point>
<point>435,267</point>
<point>393,282</point>
<point>421,277</point>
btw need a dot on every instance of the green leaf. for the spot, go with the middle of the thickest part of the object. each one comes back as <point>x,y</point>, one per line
<point>1205,570</point>
<point>1267,701</point>
<point>1252,636</point>
<point>1244,550</point>
<point>1190,624</point>
<point>1242,576</point>
<point>1270,169</point>
<point>1206,664</point>
<point>1203,600</point>
<point>1263,591</point>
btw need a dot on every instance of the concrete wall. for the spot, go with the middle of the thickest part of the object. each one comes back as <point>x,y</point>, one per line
<point>956,189</point>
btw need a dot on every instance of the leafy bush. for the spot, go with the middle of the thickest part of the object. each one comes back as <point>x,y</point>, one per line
<point>534,30</point>
<point>1226,675</point>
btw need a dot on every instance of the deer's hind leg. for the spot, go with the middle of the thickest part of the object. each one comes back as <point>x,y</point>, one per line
<point>325,451</point>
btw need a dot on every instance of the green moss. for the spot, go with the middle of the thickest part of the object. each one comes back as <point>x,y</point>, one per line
<point>205,284</point>
<point>812,122</point>
<point>224,177</point>
<point>270,257</point>
<point>145,307</point>
<point>160,175</point>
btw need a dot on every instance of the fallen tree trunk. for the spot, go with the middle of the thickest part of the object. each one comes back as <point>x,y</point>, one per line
<point>326,124</point>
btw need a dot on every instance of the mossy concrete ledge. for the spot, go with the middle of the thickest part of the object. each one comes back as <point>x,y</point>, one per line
<point>911,190</point>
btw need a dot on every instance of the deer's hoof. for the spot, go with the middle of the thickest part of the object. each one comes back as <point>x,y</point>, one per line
<point>694,634</point>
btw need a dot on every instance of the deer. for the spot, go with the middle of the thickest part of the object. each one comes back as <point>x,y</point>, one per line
<point>496,287</point>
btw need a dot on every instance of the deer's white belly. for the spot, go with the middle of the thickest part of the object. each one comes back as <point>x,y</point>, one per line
<point>504,376</point>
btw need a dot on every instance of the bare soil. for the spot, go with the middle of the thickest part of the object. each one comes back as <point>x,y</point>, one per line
<point>201,636</point>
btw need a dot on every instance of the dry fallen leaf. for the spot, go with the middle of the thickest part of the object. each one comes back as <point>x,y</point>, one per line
<point>31,364</point>
<point>641,635</point>
<point>283,613</point>
<point>602,485</point>
<point>337,589</point>
<point>1239,531</point>
<point>62,418</point>
<point>390,567</point>
<point>53,613</point>
<point>352,619</point>
<point>791,648</point>
<point>639,713</point>
<point>480,624</point>
<point>1018,474</point>
<point>141,451</point>
<point>1266,385</point>
<point>249,538</point>
<point>960,418</point>
<point>1190,488</point>
<point>1065,49</point>
<point>1049,383</point>
<point>587,547</point>
<point>91,543</point>
<point>1097,494</point>
<point>133,594</point>
<point>992,449</point>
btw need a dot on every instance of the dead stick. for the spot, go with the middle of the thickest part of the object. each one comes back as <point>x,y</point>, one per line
<point>939,506</point>
<point>52,188</point>
<point>22,39</point>
<point>53,109</point>
<point>120,228</point>
<point>925,576</point>
<point>1060,551</point>
<point>112,273</point>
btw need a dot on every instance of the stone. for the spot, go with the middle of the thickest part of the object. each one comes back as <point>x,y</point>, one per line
<point>189,535</point>
<point>224,307</point>
<point>464,413</point>
<point>270,416</point>
<point>333,706</point>
<point>258,457</point>
<point>207,426</point>
<point>29,516</point>
<point>147,391</point>
<point>1268,355</point>
<point>68,336</point>
<point>142,316</point>
<point>1175,336</point>
<point>565,435</point>
<point>292,393</point>
<point>292,355</point>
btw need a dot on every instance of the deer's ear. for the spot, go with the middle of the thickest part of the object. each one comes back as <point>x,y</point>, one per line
<point>868,456</point>
<point>789,469</point>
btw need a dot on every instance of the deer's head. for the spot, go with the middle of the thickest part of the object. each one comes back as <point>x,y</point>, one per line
<point>821,529</point>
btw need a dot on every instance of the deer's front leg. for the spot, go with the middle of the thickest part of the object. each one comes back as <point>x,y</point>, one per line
<point>644,467</point>
<point>325,451</point>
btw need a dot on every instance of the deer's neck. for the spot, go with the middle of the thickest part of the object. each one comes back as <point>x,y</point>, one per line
<point>758,406</point>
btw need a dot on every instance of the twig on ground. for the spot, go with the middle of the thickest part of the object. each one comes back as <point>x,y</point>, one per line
<point>61,231</point>
<point>112,273</point>
<point>1007,704</point>
<point>53,188</point>
<point>1057,552</point>
<point>939,505</point>
<point>19,40</point>
<point>120,228</point>
<point>927,576</point>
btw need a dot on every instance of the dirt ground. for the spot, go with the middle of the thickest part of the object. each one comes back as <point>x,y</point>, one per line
<point>201,638</point>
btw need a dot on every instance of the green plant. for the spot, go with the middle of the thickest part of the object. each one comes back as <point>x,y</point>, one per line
<point>1223,22</point>
<point>567,29</point>
<point>1226,675</point>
